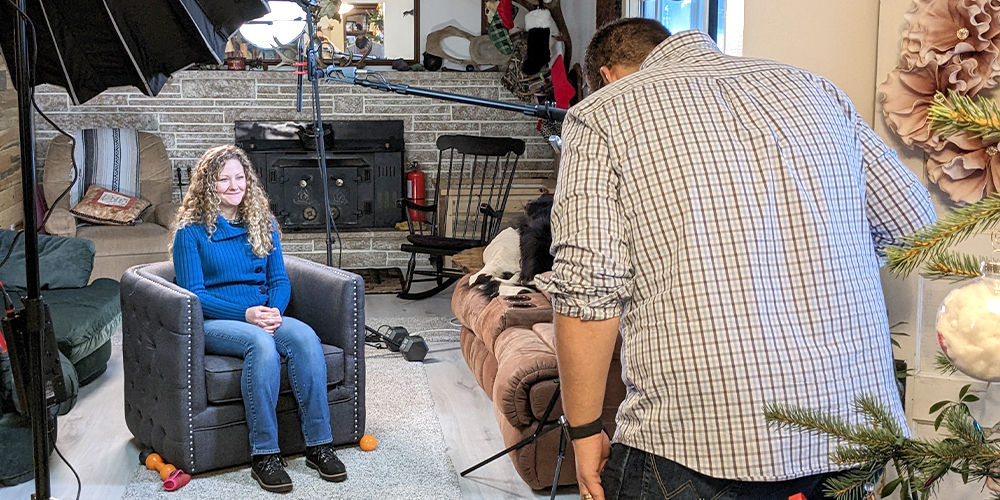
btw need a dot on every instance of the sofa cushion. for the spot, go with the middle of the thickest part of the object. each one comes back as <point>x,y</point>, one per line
<point>508,311</point>
<point>480,360</point>
<point>16,460</point>
<point>222,374</point>
<point>142,238</point>
<point>105,157</point>
<point>62,262</point>
<point>13,401</point>
<point>523,359</point>
<point>468,302</point>
<point>84,318</point>
<point>94,364</point>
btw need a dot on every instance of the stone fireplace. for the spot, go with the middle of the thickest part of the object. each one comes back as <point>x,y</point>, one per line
<point>199,109</point>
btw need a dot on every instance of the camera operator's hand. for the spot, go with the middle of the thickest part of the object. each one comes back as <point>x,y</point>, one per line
<point>591,454</point>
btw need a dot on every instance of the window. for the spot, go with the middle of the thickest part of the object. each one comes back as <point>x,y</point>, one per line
<point>681,15</point>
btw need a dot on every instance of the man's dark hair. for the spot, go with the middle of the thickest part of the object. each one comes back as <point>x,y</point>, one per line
<point>621,42</point>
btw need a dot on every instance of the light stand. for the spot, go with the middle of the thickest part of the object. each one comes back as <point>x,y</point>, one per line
<point>318,123</point>
<point>34,397</point>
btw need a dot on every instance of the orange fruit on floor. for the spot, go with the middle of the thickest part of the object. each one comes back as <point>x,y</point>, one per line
<point>368,442</point>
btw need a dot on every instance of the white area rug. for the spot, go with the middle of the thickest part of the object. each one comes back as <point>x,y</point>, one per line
<point>411,461</point>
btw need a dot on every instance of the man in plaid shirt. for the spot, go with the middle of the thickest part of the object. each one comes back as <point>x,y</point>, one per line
<point>726,216</point>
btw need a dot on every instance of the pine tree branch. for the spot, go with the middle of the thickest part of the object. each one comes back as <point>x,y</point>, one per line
<point>856,484</point>
<point>952,266</point>
<point>944,365</point>
<point>958,114</point>
<point>923,244</point>
<point>871,446</point>
<point>805,420</point>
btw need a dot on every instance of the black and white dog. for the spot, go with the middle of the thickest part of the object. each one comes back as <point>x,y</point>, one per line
<point>517,254</point>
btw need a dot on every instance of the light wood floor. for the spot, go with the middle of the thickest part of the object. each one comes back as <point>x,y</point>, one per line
<point>94,438</point>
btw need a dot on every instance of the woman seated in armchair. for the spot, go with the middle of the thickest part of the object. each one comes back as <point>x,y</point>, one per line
<point>227,251</point>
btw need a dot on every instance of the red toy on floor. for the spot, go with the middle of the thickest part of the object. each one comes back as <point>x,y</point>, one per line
<point>173,478</point>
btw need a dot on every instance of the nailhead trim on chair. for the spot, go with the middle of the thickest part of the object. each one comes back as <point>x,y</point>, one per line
<point>190,363</point>
<point>354,348</point>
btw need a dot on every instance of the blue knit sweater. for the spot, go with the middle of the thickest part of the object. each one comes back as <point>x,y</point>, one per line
<point>224,273</point>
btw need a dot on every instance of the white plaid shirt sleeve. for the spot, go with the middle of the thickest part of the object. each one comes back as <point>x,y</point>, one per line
<point>591,273</point>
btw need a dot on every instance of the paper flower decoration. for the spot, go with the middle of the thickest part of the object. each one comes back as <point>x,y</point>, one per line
<point>938,29</point>
<point>946,45</point>
<point>967,173</point>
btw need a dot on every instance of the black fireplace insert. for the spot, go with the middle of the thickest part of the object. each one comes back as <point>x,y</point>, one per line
<point>364,170</point>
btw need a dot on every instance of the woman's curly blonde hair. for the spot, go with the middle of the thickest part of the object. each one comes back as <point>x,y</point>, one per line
<point>201,202</point>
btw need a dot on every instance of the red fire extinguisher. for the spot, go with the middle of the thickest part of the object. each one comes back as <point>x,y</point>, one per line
<point>415,191</point>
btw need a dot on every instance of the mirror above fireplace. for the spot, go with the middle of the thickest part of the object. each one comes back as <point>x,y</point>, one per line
<point>389,27</point>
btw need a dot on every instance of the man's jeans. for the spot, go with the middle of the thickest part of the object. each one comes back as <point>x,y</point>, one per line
<point>262,354</point>
<point>634,474</point>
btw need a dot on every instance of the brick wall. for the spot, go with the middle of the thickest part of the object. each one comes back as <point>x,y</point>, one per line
<point>10,154</point>
<point>197,110</point>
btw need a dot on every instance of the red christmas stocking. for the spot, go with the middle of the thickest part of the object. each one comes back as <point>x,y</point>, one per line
<point>561,87</point>
<point>506,12</point>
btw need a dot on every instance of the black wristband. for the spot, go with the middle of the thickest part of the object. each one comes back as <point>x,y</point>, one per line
<point>583,431</point>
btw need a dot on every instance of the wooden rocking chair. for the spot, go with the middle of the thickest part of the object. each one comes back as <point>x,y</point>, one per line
<point>471,186</point>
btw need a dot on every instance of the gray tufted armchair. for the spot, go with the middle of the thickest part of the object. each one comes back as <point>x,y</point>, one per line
<point>187,406</point>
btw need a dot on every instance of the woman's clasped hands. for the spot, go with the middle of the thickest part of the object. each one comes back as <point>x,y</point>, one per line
<point>268,318</point>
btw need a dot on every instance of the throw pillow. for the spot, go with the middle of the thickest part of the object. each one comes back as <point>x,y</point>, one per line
<point>107,157</point>
<point>104,206</point>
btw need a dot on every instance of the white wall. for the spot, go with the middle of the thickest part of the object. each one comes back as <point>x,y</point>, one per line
<point>399,30</point>
<point>832,39</point>
<point>581,21</point>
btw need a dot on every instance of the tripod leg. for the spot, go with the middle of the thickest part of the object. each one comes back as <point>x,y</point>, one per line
<point>539,431</point>
<point>562,454</point>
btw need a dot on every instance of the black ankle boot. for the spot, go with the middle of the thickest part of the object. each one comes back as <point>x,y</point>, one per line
<point>323,459</point>
<point>269,471</point>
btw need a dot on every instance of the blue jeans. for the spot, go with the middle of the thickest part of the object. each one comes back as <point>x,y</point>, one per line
<point>631,473</point>
<point>261,378</point>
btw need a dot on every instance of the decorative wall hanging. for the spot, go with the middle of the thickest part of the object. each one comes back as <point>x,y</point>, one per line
<point>947,45</point>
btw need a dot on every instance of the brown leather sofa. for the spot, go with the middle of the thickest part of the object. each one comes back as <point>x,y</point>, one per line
<point>118,247</point>
<point>509,344</point>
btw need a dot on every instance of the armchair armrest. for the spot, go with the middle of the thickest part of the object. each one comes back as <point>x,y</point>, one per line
<point>165,214</point>
<point>163,347</point>
<point>61,223</point>
<point>332,302</point>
